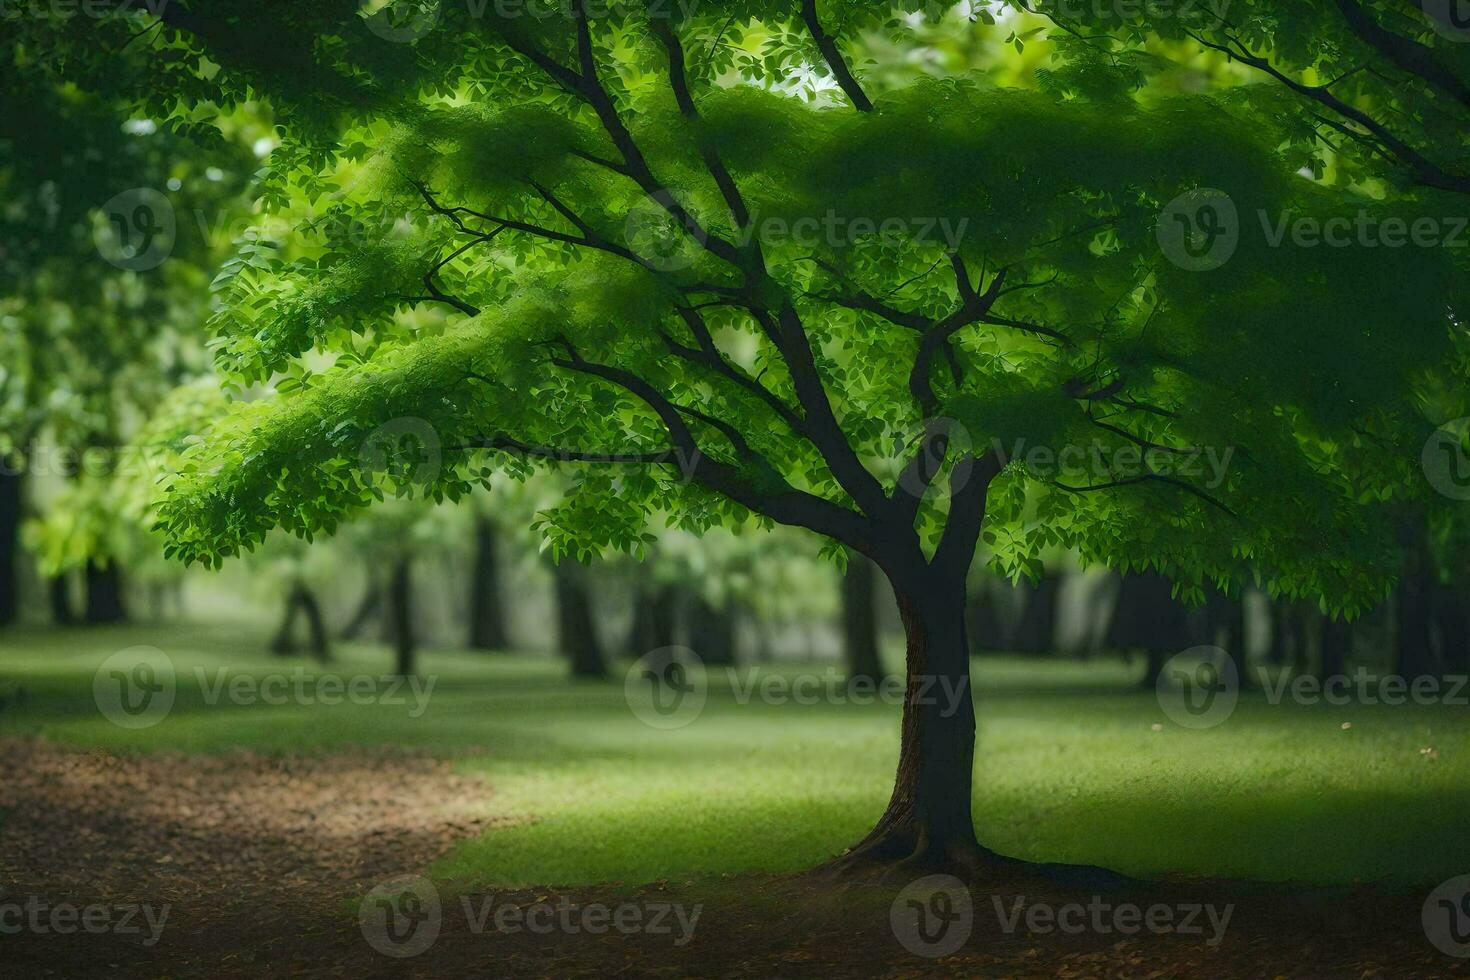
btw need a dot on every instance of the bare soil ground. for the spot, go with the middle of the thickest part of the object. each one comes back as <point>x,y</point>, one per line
<point>262,862</point>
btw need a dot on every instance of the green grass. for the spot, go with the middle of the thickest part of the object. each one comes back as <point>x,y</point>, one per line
<point>1069,768</point>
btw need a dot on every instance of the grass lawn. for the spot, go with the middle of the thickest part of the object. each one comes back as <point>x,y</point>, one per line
<point>1069,766</point>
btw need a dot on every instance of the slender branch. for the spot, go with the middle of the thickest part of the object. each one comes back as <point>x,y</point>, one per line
<point>1408,54</point>
<point>1428,173</point>
<point>827,45</point>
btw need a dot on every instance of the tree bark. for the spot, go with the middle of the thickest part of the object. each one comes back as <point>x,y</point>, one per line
<point>400,616</point>
<point>928,822</point>
<point>11,504</point>
<point>487,611</point>
<point>104,593</point>
<point>860,624</point>
<point>576,628</point>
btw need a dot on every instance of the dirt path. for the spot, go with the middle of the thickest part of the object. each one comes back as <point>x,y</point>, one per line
<point>261,863</point>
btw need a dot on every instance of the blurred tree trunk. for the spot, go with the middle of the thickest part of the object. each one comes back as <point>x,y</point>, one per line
<point>400,616</point>
<point>1225,627</point>
<point>860,623</point>
<point>576,628</point>
<point>1147,617</point>
<point>11,505</point>
<point>1335,644</point>
<point>104,593</point>
<point>1036,629</point>
<point>1413,603</point>
<point>367,608</point>
<point>487,611</point>
<point>982,623</point>
<point>711,632</point>
<point>655,619</point>
<point>63,612</point>
<point>1454,628</point>
<point>302,600</point>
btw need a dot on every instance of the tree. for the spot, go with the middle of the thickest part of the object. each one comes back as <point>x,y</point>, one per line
<point>813,304</point>
<point>860,625</point>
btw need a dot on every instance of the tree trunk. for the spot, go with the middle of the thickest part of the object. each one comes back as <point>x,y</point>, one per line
<point>11,482</point>
<point>283,644</point>
<point>655,619</point>
<point>1036,630</point>
<point>63,612</point>
<point>1413,603</point>
<point>1454,628</point>
<point>400,616</point>
<point>576,629</point>
<point>487,616</point>
<point>712,633</point>
<point>105,593</point>
<point>367,608</point>
<point>928,821</point>
<point>982,621</point>
<point>860,624</point>
<point>1336,643</point>
<point>1147,617</point>
<point>321,645</point>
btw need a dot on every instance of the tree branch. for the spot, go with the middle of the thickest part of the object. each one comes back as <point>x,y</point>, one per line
<point>827,45</point>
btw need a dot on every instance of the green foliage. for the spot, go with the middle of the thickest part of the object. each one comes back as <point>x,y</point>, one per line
<point>535,242</point>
